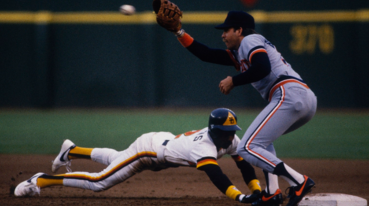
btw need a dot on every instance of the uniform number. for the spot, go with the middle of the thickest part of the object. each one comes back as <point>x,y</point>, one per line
<point>198,138</point>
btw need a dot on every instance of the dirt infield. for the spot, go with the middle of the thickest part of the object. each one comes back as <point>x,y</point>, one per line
<point>175,186</point>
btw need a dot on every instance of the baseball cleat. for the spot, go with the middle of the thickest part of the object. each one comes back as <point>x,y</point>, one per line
<point>62,158</point>
<point>266,199</point>
<point>298,192</point>
<point>251,198</point>
<point>28,187</point>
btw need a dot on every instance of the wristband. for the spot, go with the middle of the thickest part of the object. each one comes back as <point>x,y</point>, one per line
<point>186,40</point>
<point>179,33</point>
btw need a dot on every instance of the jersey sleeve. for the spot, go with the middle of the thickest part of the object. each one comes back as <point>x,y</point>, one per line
<point>252,45</point>
<point>206,161</point>
<point>204,154</point>
<point>198,146</point>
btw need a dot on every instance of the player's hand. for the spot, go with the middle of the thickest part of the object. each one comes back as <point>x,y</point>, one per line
<point>226,85</point>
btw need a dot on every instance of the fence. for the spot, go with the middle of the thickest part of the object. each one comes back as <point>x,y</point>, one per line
<point>67,54</point>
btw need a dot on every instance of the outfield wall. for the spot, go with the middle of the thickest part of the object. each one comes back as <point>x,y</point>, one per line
<point>68,54</point>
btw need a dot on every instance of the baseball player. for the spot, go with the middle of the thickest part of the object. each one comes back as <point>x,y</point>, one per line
<point>155,151</point>
<point>291,102</point>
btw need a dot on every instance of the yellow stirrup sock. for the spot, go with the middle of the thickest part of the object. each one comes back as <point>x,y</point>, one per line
<point>48,180</point>
<point>80,153</point>
<point>232,192</point>
<point>254,185</point>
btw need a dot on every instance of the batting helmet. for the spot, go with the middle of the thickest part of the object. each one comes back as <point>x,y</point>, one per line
<point>222,127</point>
<point>223,119</point>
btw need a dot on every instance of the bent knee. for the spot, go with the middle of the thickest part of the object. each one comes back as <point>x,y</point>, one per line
<point>243,151</point>
<point>246,152</point>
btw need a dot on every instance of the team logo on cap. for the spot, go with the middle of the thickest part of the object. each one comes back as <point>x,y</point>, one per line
<point>230,120</point>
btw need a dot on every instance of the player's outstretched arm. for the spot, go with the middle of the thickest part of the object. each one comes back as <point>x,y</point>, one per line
<point>205,53</point>
<point>248,174</point>
<point>168,16</point>
<point>221,181</point>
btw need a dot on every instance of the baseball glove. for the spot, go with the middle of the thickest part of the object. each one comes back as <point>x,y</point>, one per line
<point>168,15</point>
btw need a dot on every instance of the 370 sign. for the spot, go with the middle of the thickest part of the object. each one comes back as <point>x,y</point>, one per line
<point>310,38</point>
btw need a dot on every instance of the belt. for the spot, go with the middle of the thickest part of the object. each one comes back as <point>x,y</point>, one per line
<point>284,80</point>
<point>160,152</point>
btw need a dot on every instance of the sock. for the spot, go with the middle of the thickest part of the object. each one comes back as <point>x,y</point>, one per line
<point>80,152</point>
<point>49,180</point>
<point>271,182</point>
<point>290,175</point>
<point>254,185</point>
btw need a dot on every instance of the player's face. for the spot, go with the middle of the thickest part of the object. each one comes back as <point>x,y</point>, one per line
<point>231,38</point>
<point>225,139</point>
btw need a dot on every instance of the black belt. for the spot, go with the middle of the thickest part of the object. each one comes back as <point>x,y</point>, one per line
<point>165,142</point>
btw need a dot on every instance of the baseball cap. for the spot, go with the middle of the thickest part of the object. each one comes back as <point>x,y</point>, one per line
<point>237,19</point>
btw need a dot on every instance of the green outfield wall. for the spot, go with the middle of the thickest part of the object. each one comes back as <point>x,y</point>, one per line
<point>86,54</point>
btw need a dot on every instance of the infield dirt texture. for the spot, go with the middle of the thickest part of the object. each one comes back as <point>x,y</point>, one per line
<point>174,186</point>
<point>334,147</point>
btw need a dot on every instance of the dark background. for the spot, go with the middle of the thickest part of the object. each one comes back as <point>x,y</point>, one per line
<point>142,65</point>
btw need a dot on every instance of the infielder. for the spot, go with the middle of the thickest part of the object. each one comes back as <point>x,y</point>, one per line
<point>291,102</point>
<point>155,151</point>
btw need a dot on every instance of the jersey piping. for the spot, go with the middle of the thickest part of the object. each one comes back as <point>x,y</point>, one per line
<point>255,50</point>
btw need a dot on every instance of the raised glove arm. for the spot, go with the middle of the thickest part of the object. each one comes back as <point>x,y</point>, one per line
<point>168,15</point>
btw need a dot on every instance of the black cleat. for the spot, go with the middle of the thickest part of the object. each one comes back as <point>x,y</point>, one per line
<point>266,199</point>
<point>251,198</point>
<point>298,192</point>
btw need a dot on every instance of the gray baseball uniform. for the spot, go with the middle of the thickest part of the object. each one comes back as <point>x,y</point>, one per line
<point>291,103</point>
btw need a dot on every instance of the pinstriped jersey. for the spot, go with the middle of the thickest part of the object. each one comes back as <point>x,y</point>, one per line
<point>253,44</point>
<point>196,148</point>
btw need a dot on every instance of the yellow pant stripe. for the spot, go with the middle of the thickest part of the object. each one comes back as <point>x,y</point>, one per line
<point>113,170</point>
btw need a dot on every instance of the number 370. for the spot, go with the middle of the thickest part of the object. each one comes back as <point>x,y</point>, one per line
<point>307,38</point>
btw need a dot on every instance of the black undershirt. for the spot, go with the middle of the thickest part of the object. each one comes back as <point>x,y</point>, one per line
<point>259,68</point>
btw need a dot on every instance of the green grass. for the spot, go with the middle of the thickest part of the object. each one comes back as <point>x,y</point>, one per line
<point>340,135</point>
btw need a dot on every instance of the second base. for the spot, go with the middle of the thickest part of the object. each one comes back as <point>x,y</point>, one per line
<point>332,199</point>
